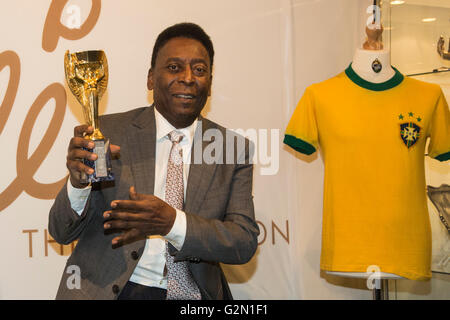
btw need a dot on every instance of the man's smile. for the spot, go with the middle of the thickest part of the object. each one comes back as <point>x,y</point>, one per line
<point>184,95</point>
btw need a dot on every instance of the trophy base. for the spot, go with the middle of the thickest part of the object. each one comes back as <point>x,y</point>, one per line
<point>102,166</point>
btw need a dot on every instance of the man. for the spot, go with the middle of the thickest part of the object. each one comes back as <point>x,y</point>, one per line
<point>161,230</point>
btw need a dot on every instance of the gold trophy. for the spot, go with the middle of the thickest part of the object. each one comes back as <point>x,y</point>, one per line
<point>87,78</point>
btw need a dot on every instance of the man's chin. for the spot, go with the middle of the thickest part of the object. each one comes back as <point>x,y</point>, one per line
<point>186,116</point>
<point>187,110</point>
<point>181,115</point>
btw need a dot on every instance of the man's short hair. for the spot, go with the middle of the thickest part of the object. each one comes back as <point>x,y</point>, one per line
<point>183,30</point>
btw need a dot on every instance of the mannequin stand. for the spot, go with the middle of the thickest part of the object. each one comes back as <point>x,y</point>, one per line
<point>381,289</point>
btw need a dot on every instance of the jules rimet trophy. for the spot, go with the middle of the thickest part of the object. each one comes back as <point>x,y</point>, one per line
<point>87,78</point>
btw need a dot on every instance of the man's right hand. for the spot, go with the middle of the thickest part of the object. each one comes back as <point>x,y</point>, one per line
<point>76,155</point>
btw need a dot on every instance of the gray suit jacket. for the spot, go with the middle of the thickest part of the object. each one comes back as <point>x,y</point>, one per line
<point>221,225</point>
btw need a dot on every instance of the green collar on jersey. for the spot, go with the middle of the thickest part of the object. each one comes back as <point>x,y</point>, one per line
<point>391,83</point>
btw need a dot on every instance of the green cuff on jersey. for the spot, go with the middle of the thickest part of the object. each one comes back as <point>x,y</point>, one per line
<point>443,157</point>
<point>298,144</point>
<point>391,83</point>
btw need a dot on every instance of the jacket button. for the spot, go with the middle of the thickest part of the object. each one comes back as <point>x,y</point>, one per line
<point>134,255</point>
<point>115,289</point>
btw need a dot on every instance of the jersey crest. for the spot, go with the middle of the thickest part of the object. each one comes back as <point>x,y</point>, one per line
<point>410,131</point>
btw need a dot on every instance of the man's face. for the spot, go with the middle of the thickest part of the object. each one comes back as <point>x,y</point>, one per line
<point>181,80</point>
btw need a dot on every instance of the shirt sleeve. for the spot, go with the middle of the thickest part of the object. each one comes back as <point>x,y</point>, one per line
<point>301,133</point>
<point>177,234</point>
<point>78,197</point>
<point>439,132</point>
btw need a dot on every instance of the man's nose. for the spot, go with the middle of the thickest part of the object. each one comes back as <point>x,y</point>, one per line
<point>187,76</point>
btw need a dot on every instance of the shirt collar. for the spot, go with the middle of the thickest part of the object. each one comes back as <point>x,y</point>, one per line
<point>163,128</point>
<point>389,84</point>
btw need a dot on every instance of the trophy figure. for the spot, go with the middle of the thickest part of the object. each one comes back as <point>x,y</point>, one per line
<point>87,78</point>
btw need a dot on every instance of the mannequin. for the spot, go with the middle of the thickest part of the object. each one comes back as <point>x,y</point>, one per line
<point>378,72</point>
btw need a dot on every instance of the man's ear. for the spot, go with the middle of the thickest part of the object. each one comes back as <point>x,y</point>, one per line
<point>150,79</point>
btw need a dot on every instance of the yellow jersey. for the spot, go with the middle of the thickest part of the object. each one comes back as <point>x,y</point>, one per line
<point>372,139</point>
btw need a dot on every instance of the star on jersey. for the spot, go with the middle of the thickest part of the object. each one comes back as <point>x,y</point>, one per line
<point>411,115</point>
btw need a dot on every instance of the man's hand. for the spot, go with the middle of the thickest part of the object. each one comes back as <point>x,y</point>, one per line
<point>141,216</point>
<point>76,154</point>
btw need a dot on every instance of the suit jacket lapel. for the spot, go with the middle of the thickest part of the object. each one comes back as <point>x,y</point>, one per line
<point>142,146</point>
<point>200,173</point>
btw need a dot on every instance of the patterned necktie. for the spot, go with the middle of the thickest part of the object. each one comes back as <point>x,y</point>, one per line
<point>180,284</point>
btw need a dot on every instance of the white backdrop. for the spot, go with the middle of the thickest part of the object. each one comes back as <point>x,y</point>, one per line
<point>267,52</point>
